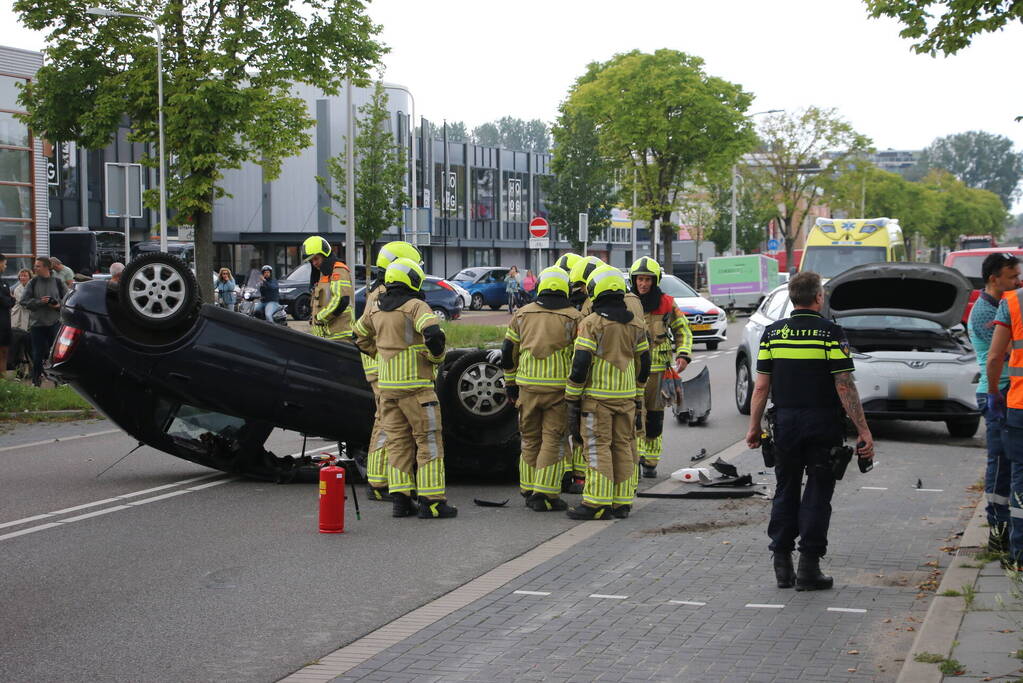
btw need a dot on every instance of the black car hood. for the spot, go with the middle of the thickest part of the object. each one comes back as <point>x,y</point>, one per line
<point>919,290</point>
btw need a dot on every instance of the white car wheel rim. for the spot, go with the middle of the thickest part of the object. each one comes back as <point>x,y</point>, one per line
<point>157,291</point>
<point>481,389</point>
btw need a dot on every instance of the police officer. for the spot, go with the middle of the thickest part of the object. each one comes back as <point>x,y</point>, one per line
<point>376,462</point>
<point>332,312</point>
<point>536,357</point>
<point>671,341</point>
<point>804,364</point>
<point>610,366</point>
<point>405,335</point>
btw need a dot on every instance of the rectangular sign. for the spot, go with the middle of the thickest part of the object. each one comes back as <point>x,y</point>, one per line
<point>539,243</point>
<point>123,190</point>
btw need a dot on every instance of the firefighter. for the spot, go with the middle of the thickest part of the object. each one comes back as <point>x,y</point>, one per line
<point>610,366</point>
<point>332,312</point>
<point>406,337</point>
<point>536,356</point>
<point>376,463</point>
<point>671,340</point>
<point>578,275</point>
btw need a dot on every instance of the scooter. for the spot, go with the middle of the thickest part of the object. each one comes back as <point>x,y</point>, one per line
<point>247,306</point>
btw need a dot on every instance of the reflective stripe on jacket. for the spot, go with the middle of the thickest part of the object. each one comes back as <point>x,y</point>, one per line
<point>1015,398</point>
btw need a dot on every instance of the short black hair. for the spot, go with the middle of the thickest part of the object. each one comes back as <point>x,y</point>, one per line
<point>804,288</point>
<point>994,263</point>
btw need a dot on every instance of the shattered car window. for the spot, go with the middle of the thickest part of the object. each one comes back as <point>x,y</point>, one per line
<point>192,424</point>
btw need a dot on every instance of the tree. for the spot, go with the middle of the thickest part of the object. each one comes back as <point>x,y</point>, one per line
<point>958,21</point>
<point>979,159</point>
<point>513,133</point>
<point>963,210</point>
<point>698,214</point>
<point>457,132</point>
<point>659,115</point>
<point>752,213</point>
<point>229,69</point>
<point>582,180</point>
<point>799,152</point>
<point>379,175</point>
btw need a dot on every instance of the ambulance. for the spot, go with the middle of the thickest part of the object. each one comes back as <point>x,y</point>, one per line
<point>836,244</point>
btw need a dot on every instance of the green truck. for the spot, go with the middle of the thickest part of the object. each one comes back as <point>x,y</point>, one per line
<point>741,282</point>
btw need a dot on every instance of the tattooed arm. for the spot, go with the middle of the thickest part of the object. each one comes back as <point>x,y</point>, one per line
<point>850,398</point>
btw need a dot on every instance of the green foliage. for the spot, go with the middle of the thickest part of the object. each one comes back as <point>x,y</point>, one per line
<point>661,116</point>
<point>229,69</point>
<point>752,213</point>
<point>963,210</point>
<point>981,160</point>
<point>951,667</point>
<point>379,175</point>
<point>928,658</point>
<point>463,335</point>
<point>457,132</point>
<point>512,133</point>
<point>582,180</point>
<point>16,397</point>
<point>957,21</point>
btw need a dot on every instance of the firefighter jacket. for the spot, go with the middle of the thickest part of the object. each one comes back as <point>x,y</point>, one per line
<point>395,337</point>
<point>330,320</point>
<point>369,363</point>
<point>540,347</point>
<point>669,332</point>
<point>632,302</point>
<point>614,351</point>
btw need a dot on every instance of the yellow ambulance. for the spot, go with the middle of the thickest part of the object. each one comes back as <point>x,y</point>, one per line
<point>836,244</point>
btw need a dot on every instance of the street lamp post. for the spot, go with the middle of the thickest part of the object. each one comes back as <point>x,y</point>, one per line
<point>412,138</point>
<point>735,170</point>
<point>103,12</point>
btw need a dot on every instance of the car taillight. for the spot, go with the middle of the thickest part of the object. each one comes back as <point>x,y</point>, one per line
<point>67,338</point>
<point>445,285</point>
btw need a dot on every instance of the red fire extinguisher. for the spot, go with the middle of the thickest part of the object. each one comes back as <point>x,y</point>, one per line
<point>332,499</point>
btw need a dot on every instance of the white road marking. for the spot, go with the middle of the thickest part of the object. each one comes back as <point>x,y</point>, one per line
<point>851,610</point>
<point>26,520</point>
<point>531,592</point>
<point>162,496</point>
<point>90,515</point>
<point>931,490</point>
<point>687,602</point>
<point>59,440</point>
<point>608,597</point>
<point>763,605</point>
<point>874,488</point>
<point>30,530</point>
<point>211,484</point>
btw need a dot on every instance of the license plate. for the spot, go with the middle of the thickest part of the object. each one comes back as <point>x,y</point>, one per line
<point>700,328</point>
<point>920,391</point>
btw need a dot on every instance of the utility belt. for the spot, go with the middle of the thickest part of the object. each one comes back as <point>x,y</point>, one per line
<point>834,458</point>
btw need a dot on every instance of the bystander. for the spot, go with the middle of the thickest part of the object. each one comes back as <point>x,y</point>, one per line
<point>6,305</point>
<point>66,275</point>
<point>42,298</point>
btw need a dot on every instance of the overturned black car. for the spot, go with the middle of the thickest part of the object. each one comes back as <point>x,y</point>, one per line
<point>210,385</point>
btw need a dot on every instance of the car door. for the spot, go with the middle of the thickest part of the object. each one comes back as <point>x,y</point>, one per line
<point>494,292</point>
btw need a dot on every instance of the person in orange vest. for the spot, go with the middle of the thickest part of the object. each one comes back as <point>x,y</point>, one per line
<point>332,300</point>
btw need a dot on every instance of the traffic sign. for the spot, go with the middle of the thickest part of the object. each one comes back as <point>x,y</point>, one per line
<point>772,245</point>
<point>539,227</point>
<point>539,243</point>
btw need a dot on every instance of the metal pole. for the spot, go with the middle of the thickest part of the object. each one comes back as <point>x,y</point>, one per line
<point>163,160</point>
<point>734,248</point>
<point>127,220</point>
<point>350,181</point>
<point>413,199</point>
<point>633,216</point>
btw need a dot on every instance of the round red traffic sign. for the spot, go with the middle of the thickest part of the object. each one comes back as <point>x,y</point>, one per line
<point>539,227</point>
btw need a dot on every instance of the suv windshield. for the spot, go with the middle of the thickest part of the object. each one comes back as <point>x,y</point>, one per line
<point>885,322</point>
<point>969,265</point>
<point>675,288</point>
<point>300,274</point>
<point>831,261</point>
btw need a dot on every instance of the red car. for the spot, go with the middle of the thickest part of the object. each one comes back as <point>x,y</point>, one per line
<point>969,261</point>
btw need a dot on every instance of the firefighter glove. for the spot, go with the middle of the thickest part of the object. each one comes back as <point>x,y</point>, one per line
<point>575,416</point>
<point>513,392</point>
<point>639,414</point>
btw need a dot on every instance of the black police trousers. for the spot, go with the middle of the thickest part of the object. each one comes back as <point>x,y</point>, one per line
<point>802,440</point>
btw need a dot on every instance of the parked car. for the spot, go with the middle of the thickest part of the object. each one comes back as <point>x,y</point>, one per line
<point>440,295</point>
<point>968,262</point>
<point>485,286</point>
<point>209,385</point>
<point>708,322</point>
<point>899,319</point>
<point>295,289</point>
<point>86,251</point>
<point>183,250</point>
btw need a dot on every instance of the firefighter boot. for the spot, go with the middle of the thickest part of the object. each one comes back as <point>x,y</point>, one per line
<point>538,502</point>
<point>585,512</point>
<point>783,571</point>
<point>402,505</point>
<point>649,471</point>
<point>566,482</point>
<point>622,511</point>
<point>378,494</point>
<point>809,576</point>
<point>436,509</point>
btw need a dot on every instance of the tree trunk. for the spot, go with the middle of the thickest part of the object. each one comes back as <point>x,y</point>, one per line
<point>789,242</point>
<point>204,253</point>
<point>666,237</point>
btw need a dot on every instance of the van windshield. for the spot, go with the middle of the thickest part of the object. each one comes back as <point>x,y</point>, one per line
<point>834,260</point>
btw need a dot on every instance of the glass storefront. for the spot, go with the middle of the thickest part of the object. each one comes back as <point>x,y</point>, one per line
<point>16,171</point>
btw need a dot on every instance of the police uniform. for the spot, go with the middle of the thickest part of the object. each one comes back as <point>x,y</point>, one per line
<point>536,358</point>
<point>802,354</point>
<point>405,335</point>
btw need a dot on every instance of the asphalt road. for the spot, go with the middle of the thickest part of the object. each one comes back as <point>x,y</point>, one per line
<point>160,570</point>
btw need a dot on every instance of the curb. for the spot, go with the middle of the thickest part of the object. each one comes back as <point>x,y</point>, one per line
<point>945,615</point>
<point>50,413</point>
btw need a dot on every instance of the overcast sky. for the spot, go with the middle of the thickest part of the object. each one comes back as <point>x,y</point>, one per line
<point>476,60</point>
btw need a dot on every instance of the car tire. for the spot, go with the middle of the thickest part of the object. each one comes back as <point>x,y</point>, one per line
<point>963,428</point>
<point>477,302</point>
<point>441,314</point>
<point>743,385</point>
<point>474,391</point>
<point>158,291</point>
<point>301,309</point>
<point>712,345</point>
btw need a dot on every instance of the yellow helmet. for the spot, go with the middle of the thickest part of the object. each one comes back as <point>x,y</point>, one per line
<point>315,245</point>
<point>566,261</point>
<point>583,268</point>
<point>397,249</point>
<point>645,265</point>
<point>553,279</point>
<point>406,271</point>
<point>604,279</point>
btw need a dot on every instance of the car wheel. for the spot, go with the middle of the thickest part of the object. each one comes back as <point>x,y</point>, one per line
<point>964,427</point>
<point>712,345</point>
<point>301,309</point>
<point>158,291</point>
<point>474,390</point>
<point>743,386</point>
<point>441,314</point>
<point>477,302</point>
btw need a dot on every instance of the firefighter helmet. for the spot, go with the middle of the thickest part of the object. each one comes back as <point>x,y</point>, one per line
<point>583,268</point>
<point>604,279</point>
<point>313,246</point>
<point>566,261</point>
<point>405,271</point>
<point>397,249</point>
<point>645,265</point>
<point>553,279</point>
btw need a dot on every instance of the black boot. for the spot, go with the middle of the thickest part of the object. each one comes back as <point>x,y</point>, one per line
<point>586,512</point>
<point>998,539</point>
<point>538,502</point>
<point>566,482</point>
<point>526,495</point>
<point>783,571</point>
<point>578,482</point>
<point>809,576</point>
<point>622,511</point>
<point>402,505</point>
<point>649,470</point>
<point>436,509</point>
<point>378,494</point>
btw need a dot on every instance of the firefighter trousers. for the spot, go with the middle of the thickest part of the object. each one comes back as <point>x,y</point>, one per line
<point>545,451</point>
<point>415,445</point>
<point>648,441</point>
<point>376,461</point>
<point>609,445</point>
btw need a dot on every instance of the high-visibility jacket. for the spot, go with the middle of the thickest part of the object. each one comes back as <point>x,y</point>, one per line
<point>541,347</point>
<point>1014,300</point>
<point>371,363</point>
<point>329,321</point>
<point>405,364</point>
<point>664,348</point>
<point>614,349</point>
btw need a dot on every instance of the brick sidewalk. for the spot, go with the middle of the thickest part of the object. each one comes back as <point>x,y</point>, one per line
<point>684,589</point>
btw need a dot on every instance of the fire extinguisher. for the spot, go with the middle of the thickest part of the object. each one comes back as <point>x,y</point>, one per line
<point>332,499</point>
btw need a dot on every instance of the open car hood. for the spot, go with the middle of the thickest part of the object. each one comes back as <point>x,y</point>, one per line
<point>919,290</point>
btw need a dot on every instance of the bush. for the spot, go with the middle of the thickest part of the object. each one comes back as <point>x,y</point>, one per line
<point>16,397</point>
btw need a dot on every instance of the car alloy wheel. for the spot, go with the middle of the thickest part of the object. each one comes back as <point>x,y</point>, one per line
<point>480,389</point>
<point>158,291</point>
<point>743,383</point>
<point>477,302</point>
<point>441,314</point>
